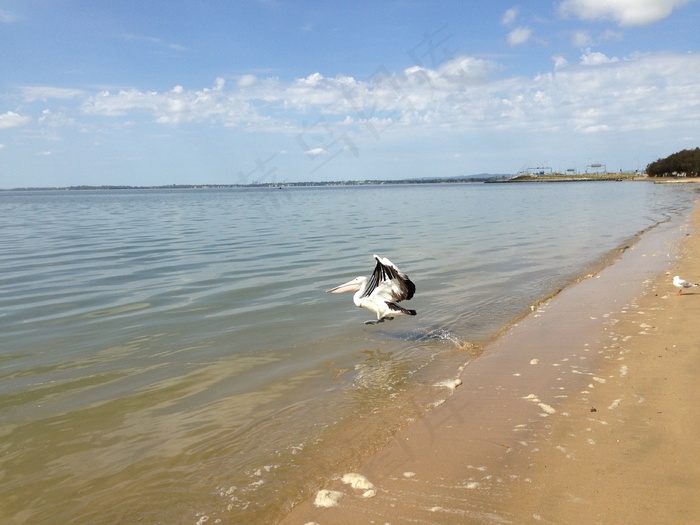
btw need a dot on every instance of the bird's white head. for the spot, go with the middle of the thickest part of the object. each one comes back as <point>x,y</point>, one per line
<point>350,286</point>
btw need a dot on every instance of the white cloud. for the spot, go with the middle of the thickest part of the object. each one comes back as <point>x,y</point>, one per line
<point>510,16</point>
<point>247,81</point>
<point>175,106</point>
<point>609,34</point>
<point>381,100</point>
<point>6,17</point>
<point>519,36</point>
<point>13,120</point>
<point>315,152</point>
<point>624,12</point>
<point>632,93</point>
<point>559,61</point>
<point>594,58</point>
<point>152,40</point>
<point>640,93</point>
<point>581,39</point>
<point>55,119</point>
<point>44,93</point>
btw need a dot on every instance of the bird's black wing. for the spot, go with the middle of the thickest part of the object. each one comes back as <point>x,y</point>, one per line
<point>398,287</point>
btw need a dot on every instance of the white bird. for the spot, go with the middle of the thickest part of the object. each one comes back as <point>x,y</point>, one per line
<point>682,283</point>
<point>382,291</point>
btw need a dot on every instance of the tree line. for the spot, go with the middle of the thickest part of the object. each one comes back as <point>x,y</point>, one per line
<point>686,163</point>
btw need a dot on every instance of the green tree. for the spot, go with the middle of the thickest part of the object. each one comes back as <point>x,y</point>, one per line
<point>686,161</point>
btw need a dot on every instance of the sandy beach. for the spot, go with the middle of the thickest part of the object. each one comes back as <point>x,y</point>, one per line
<point>592,417</point>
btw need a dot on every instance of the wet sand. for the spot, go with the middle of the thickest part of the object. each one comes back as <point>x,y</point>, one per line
<point>583,412</point>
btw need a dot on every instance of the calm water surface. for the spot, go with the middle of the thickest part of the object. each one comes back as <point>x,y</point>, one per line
<point>171,356</point>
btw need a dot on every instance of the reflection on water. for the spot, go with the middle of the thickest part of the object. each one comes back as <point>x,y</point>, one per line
<point>171,356</point>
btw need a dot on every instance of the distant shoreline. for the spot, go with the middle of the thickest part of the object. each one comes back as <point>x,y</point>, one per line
<point>488,179</point>
<point>468,179</point>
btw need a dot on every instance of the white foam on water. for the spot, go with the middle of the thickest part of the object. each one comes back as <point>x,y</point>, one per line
<point>358,481</point>
<point>327,498</point>
<point>534,361</point>
<point>409,474</point>
<point>614,404</point>
<point>449,383</point>
<point>548,409</point>
<point>623,370</point>
<point>565,451</point>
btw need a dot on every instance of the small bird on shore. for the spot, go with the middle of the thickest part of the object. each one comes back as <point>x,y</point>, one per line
<point>682,283</point>
<point>381,292</point>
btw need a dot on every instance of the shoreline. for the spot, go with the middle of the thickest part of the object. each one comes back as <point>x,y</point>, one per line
<point>571,178</point>
<point>469,179</point>
<point>569,411</point>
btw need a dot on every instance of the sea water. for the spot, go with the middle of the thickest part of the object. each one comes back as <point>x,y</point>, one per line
<point>170,356</point>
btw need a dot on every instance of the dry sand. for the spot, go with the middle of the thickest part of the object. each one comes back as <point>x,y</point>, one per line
<point>584,412</point>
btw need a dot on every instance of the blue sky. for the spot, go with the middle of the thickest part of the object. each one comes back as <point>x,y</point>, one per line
<point>155,93</point>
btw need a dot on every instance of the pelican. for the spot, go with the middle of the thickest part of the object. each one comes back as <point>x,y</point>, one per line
<point>682,283</point>
<point>381,292</point>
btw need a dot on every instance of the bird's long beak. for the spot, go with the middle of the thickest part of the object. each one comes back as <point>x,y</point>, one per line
<point>350,286</point>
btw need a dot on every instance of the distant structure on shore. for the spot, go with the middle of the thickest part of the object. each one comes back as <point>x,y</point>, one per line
<point>597,166</point>
<point>547,171</point>
<point>539,170</point>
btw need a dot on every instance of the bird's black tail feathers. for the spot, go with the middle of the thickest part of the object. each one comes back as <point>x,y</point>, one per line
<point>399,309</point>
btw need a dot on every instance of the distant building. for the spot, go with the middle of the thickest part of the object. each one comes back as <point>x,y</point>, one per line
<point>539,170</point>
<point>597,167</point>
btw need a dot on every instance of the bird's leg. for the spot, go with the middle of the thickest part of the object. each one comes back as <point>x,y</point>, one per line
<point>372,321</point>
<point>680,292</point>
